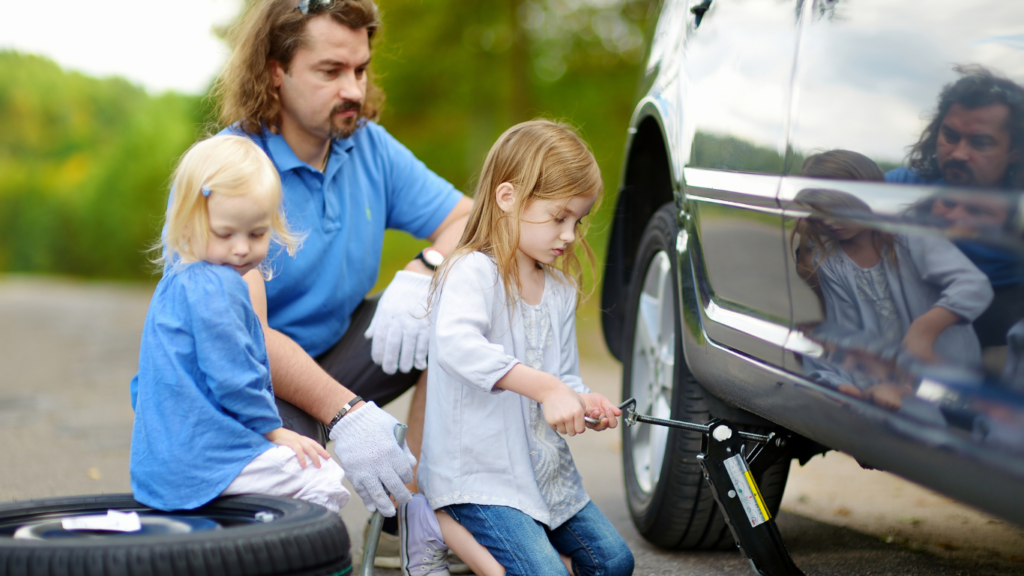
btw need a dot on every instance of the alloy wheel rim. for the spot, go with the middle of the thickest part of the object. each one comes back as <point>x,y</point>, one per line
<point>653,368</point>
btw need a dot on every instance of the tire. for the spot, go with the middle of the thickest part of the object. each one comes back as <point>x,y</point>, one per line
<point>226,538</point>
<point>669,500</point>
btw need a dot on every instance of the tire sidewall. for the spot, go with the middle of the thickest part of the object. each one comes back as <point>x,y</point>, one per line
<point>302,539</point>
<point>659,235</point>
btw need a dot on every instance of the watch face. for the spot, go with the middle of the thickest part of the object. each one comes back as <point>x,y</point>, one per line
<point>433,257</point>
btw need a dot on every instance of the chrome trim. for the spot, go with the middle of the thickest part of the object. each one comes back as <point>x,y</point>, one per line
<point>733,204</point>
<point>800,344</point>
<point>734,183</point>
<point>761,329</point>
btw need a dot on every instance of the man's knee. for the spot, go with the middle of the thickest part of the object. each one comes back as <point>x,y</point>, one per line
<point>299,422</point>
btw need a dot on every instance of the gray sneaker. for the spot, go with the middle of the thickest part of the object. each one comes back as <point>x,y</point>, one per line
<point>422,548</point>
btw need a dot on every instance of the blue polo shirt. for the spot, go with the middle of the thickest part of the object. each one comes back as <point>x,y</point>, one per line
<point>202,397</point>
<point>372,183</point>
<point>1003,267</point>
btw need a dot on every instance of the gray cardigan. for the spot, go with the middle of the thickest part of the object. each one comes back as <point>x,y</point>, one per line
<point>479,442</point>
<point>931,271</point>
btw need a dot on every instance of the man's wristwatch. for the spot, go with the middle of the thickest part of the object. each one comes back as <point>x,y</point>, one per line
<point>431,257</point>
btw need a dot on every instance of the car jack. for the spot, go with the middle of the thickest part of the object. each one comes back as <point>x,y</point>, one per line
<point>730,470</point>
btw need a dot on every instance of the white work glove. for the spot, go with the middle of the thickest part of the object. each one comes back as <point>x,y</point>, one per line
<point>400,329</point>
<point>364,441</point>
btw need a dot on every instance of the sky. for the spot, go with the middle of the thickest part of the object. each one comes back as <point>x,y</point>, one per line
<point>166,45</point>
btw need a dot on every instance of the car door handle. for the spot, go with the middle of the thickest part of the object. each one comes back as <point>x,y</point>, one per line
<point>698,12</point>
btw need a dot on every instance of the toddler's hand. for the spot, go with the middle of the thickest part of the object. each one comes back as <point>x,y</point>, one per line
<point>563,411</point>
<point>600,408</point>
<point>302,445</point>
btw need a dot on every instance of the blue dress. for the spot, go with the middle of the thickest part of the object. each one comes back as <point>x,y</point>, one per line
<point>202,397</point>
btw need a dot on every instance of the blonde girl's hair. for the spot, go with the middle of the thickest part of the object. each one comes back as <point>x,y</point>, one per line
<point>543,160</point>
<point>273,30</point>
<point>229,165</point>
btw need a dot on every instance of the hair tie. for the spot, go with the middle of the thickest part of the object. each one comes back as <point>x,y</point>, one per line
<point>206,190</point>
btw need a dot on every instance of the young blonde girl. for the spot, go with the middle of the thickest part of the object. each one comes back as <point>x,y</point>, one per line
<point>916,292</point>
<point>503,377</point>
<point>205,419</point>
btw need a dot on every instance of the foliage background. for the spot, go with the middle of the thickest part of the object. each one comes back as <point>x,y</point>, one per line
<point>85,162</point>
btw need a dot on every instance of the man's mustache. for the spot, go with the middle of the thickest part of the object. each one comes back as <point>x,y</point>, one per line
<point>957,165</point>
<point>346,106</point>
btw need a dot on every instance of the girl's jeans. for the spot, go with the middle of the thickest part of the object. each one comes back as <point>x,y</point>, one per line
<point>526,547</point>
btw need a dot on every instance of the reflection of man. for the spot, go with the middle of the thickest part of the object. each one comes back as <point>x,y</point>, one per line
<point>298,85</point>
<point>976,137</point>
<point>969,215</point>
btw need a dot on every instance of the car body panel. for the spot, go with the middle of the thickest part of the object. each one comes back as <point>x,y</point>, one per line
<point>740,102</point>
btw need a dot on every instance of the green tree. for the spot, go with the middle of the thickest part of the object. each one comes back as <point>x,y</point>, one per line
<point>85,163</point>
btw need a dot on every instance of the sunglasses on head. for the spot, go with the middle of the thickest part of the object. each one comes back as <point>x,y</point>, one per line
<point>314,6</point>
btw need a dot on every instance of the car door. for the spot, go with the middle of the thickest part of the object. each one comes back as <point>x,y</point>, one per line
<point>735,86</point>
<point>863,158</point>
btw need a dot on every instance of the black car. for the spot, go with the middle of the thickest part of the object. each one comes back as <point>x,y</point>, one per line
<point>819,230</point>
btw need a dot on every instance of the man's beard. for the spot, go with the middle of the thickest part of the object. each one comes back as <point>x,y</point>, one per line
<point>343,127</point>
<point>965,176</point>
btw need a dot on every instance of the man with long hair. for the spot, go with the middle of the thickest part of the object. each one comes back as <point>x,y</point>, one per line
<point>976,137</point>
<point>976,140</point>
<point>299,85</point>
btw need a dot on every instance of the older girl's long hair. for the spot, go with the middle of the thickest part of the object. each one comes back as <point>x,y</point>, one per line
<point>229,165</point>
<point>543,160</point>
<point>273,30</point>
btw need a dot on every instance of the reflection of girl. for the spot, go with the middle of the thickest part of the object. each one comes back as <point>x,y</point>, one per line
<point>916,291</point>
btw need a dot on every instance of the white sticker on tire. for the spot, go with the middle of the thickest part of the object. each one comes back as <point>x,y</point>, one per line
<point>113,521</point>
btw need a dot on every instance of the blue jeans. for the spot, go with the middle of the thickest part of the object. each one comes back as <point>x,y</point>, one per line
<point>526,547</point>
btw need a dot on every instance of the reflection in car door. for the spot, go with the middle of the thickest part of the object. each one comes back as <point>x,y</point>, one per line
<point>872,76</point>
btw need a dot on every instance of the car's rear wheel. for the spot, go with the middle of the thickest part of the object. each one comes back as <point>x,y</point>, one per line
<point>669,500</point>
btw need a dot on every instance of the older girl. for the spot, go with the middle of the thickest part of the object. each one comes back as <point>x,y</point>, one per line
<point>503,378</point>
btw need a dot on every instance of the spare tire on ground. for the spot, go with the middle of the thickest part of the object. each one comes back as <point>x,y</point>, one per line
<point>235,536</point>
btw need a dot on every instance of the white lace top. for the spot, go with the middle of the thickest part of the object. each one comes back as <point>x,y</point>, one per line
<point>553,467</point>
<point>873,289</point>
<point>481,444</point>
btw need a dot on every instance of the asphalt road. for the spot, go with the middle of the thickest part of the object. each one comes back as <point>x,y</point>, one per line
<point>68,350</point>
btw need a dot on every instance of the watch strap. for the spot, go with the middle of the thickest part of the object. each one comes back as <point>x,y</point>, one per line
<point>426,262</point>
